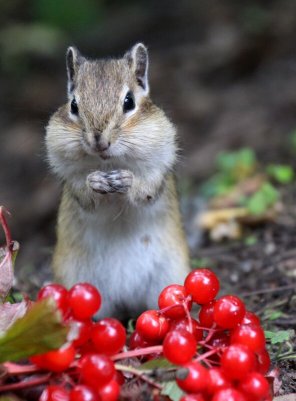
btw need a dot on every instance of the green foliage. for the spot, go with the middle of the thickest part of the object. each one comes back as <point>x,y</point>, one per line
<point>281,173</point>
<point>261,200</point>
<point>239,164</point>
<point>232,168</point>
<point>235,167</point>
<point>271,314</point>
<point>38,331</point>
<point>251,240</point>
<point>68,15</point>
<point>156,363</point>
<point>172,390</point>
<point>200,262</point>
<point>279,337</point>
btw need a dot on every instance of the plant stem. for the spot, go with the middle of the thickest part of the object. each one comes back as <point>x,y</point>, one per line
<point>206,355</point>
<point>138,352</point>
<point>5,226</point>
<point>20,385</point>
<point>189,318</point>
<point>16,369</point>
<point>139,374</point>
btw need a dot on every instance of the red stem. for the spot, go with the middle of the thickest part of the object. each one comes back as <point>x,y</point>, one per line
<point>5,226</point>
<point>138,352</point>
<point>206,355</point>
<point>21,385</point>
<point>189,318</point>
<point>15,369</point>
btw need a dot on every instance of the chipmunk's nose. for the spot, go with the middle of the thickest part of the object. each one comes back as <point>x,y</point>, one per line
<point>101,144</point>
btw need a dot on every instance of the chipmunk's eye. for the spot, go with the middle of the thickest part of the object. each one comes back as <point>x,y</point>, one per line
<point>129,102</point>
<point>74,107</point>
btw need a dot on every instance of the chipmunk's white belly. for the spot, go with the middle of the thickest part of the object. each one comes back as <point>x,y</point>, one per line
<point>127,258</point>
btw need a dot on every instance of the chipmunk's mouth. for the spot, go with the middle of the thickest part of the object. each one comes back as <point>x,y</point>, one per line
<point>104,156</point>
<point>92,150</point>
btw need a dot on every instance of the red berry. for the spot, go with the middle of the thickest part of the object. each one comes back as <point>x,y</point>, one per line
<point>255,386</point>
<point>182,324</point>
<point>229,311</point>
<point>87,348</point>
<point>197,379</point>
<point>220,339</point>
<point>59,293</point>
<point>174,296</point>
<point>108,336</point>
<point>110,392</point>
<point>263,359</point>
<point>152,326</point>
<point>250,335</point>
<point>119,377</point>
<point>179,346</point>
<point>217,380</point>
<point>137,341</point>
<point>83,393</point>
<point>203,285</point>
<point>38,361</point>
<point>58,360</point>
<point>251,318</point>
<point>237,360</point>
<point>83,328</point>
<point>229,394</point>
<point>192,397</point>
<point>206,314</point>
<point>54,393</point>
<point>84,300</point>
<point>96,370</point>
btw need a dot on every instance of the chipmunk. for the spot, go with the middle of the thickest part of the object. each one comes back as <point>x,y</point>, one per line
<point>119,225</point>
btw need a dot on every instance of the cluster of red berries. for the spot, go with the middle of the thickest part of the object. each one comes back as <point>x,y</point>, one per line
<point>222,352</point>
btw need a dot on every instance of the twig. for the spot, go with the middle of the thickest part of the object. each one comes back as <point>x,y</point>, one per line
<point>139,374</point>
<point>5,226</point>
<point>16,369</point>
<point>138,352</point>
<point>21,385</point>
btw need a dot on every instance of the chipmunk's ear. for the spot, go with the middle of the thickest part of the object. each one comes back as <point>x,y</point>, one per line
<point>73,60</point>
<point>137,57</point>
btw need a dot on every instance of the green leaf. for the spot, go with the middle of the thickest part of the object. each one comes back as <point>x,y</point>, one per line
<point>270,314</point>
<point>131,326</point>
<point>200,262</point>
<point>279,336</point>
<point>156,363</point>
<point>261,200</point>
<point>239,164</point>
<point>39,331</point>
<point>172,390</point>
<point>281,173</point>
<point>251,240</point>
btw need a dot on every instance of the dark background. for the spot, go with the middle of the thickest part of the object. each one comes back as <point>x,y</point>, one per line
<point>224,71</point>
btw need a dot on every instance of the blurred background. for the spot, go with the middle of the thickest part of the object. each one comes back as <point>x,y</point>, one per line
<point>224,71</point>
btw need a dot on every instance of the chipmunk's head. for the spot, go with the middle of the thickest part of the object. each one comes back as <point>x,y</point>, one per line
<point>106,98</point>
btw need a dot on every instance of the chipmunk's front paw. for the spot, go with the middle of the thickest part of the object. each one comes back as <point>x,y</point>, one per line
<point>116,181</point>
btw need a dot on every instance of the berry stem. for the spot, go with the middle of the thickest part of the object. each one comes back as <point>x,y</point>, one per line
<point>189,318</point>
<point>5,226</point>
<point>16,369</point>
<point>138,352</point>
<point>209,335</point>
<point>20,385</point>
<point>140,374</point>
<point>206,355</point>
